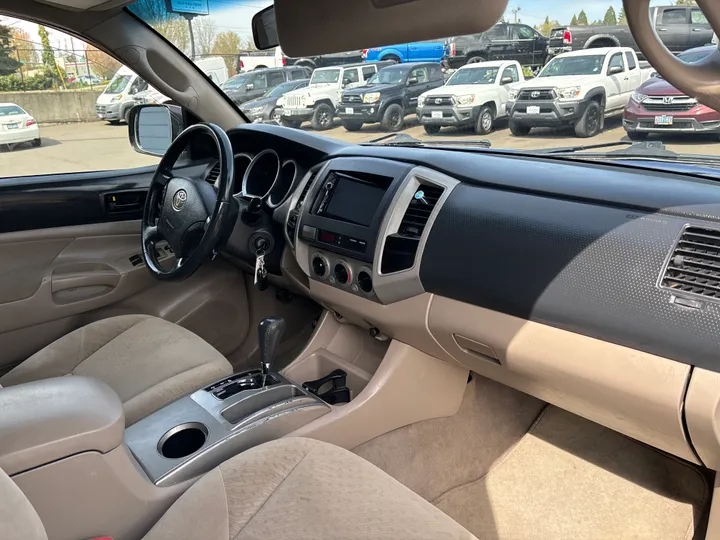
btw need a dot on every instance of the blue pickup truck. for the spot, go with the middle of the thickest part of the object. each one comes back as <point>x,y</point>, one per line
<point>420,51</point>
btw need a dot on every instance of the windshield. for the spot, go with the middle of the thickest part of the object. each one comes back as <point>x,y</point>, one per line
<point>325,76</point>
<point>394,75</point>
<point>118,84</point>
<point>534,64</point>
<point>9,110</point>
<point>474,76</point>
<point>574,65</point>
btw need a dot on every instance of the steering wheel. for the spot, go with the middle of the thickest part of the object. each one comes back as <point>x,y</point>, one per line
<point>188,213</point>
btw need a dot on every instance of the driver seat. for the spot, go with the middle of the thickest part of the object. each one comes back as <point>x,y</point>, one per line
<point>148,361</point>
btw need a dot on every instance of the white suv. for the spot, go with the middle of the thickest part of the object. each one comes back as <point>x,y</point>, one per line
<point>318,101</point>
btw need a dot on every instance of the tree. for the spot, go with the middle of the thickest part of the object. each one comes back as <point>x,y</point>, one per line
<point>610,18</point>
<point>582,19</point>
<point>228,44</point>
<point>622,18</point>
<point>101,64</point>
<point>574,21</point>
<point>8,63</point>
<point>24,48</point>
<point>686,3</point>
<point>205,32</point>
<point>545,27</point>
<point>48,58</point>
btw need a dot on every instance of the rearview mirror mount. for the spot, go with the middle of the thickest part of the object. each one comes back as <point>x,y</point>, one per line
<point>152,127</point>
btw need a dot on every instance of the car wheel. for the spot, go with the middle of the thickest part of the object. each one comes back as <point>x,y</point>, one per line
<point>637,135</point>
<point>353,126</point>
<point>485,121</point>
<point>392,58</point>
<point>114,122</point>
<point>517,129</point>
<point>126,115</point>
<point>393,118</point>
<point>290,123</point>
<point>431,129</point>
<point>475,60</point>
<point>591,122</point>
<point>322,118</point>
<point>275,114</point>
<point>37,142</point>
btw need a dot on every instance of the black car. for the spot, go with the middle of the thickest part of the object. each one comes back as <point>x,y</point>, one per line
<point>504,41</point>
<point>254,84</point>
<point>325,60</point>
<point>388,96</point>
<point>265,108</point>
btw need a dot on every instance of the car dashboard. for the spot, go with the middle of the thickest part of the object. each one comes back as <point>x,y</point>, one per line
<point>592,286</point>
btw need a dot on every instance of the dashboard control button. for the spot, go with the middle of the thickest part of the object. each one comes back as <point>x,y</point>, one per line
<point>342,273</point>
<point>308,233</point>
<point>354,288</point>
<point>332,280</point>
<point>365,281</point>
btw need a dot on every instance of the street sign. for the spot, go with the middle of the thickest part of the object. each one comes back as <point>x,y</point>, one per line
<point>188,7</point>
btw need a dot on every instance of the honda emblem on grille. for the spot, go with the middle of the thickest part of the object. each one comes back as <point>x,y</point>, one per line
<point>535,94</point>
<point>667,99</point>
<point>438,101</point>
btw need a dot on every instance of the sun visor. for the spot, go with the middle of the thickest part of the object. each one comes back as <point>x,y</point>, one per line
<point>314,27</point>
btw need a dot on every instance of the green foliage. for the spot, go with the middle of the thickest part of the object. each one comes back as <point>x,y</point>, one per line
<point>527,72</point>
<point>582,19</point>
<point>8,64</point>
<point>686,3</point>
<point>51,70</point>
<point>13,83</point>
<point>622,18</point>
<point>545,27</point>
<point>610,18</point>
<point>574,21</point>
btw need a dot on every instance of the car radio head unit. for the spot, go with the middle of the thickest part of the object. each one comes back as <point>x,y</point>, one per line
<point>351,199</point>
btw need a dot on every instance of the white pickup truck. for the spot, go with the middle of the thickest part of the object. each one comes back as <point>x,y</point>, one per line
<point>476,95</point>
<point>579,89</point>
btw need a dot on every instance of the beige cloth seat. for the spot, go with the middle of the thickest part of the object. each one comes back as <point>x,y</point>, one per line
<point>287,489</point>
<point>148,361</point>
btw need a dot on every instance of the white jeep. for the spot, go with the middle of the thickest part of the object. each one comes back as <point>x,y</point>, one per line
<point>318,101</point>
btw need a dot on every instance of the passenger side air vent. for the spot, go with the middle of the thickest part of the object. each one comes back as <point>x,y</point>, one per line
<point>401,248</point>
<point>294,213</point>
<point>694,266</point>
<point>213,174</point>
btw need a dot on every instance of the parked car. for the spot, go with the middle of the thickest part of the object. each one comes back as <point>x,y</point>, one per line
<point>266,108</point>
<point>88,79</point>
<point>254,84</point>
<point>324,60</point>
<point>504,41</point>
<point>577,89</point>
<point>658,107</point>
<point>117,98</point>
<point>421,51</point>
<point>476,95</point>
<point>390,95</point>
<point>17,126</point>
<point>319,100</point>
<point>251,60</point>
<point>679,28</point>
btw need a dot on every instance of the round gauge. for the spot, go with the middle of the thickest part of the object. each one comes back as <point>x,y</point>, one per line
<point>261,174</point>
<point>242,162</point>
<point>281,189</point>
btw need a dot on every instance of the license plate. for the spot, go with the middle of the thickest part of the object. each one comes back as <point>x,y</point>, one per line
<point>287,112</point>
<point>349,110</point>
<point>436,114</point>
<point>664,120</point>
<point>12,126</point>
<point>533,109</point>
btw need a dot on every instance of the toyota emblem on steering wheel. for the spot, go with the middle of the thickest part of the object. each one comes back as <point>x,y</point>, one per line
<point>179,199</point>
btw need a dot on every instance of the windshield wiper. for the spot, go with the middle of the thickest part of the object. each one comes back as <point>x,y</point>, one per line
<point>402,139</point>
<point>580,148</point>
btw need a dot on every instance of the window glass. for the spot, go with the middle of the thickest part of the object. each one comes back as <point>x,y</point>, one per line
<point>630,60</point>
<point>674,16</point>
<point>274,78</point>
<point>573,65</point>
<point>698,17</point>
<point>351,75</point>
<point>390,75</point>
<point>523,32</point>
<point>511,71</point>
<point>298,74</point>
<point>321,76</point>
<point>420,74</point>
<point>473,75</point>
<point>616,61</point>
<point>259,81</point>
<point>436,73</point>
<point>368,72</point>
<point>499,31</point>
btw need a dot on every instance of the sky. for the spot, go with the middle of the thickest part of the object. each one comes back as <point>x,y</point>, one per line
<point>235,15</point>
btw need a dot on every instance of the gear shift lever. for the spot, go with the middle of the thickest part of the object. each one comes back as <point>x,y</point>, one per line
<point>270,330</point>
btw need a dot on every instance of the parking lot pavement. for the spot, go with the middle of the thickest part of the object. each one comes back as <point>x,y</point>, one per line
<point>97,146</point>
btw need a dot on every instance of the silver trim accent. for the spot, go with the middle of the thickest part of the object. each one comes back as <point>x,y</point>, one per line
<point>369,272</point>
<point>317,254</point>
<point>250,168</point>
<point>177,429</point>
<point>269,202</point>
<point>398,286</point>
<point>348,268</point>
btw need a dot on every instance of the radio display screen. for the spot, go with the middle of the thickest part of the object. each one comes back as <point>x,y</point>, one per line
<point>353,201</point>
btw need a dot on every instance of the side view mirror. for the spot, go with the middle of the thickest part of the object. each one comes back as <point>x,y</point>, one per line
<point>249,86</point>
<point>152,127</point>
<point>506,80</point>
<point>412,80</point>
<point>613,70</point>
<point>345,82</point>
<point>653,74</point>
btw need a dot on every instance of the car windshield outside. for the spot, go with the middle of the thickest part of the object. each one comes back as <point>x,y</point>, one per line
<point>280,90</point>
<point>236,82</point>
<point>10,110</point>
<point>325,76</point>
<point>476,75</point>
<point>390,75</point>
<point>577,65</point>
<point>117,84</point>
<point>695,56</point>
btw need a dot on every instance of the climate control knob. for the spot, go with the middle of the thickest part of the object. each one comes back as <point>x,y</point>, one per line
<point>342,273</point>
<point>364,280</point>
<point>320,266</point>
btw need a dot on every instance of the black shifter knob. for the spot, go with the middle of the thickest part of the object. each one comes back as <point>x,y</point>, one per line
<point>270,330</point>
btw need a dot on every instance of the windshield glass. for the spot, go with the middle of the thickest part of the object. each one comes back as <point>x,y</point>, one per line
<point>9,110</point>
<point>392,75</point>
<point>477,75</point>
<point>540,63</point>
<point>325,76</point>
<point>118,84</point>
<point>573,65</point>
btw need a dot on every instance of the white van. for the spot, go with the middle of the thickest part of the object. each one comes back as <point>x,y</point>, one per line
<point>120,94</point>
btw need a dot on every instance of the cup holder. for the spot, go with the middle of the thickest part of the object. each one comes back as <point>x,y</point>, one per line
<point>183,440</point>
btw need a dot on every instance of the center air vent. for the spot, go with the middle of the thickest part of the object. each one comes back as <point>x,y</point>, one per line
<point>418,213</point>
<point>294,213</point>
<point>694,266</point>
<point>213,174</point>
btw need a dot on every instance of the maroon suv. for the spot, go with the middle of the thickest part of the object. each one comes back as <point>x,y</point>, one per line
<point>658,107</point>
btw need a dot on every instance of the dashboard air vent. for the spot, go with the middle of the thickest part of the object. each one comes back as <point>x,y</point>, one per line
<point>213,174</point>
<point>694,266</point>
<point>294,213</point>
<point>418,213</point>
<point>305,191</point>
